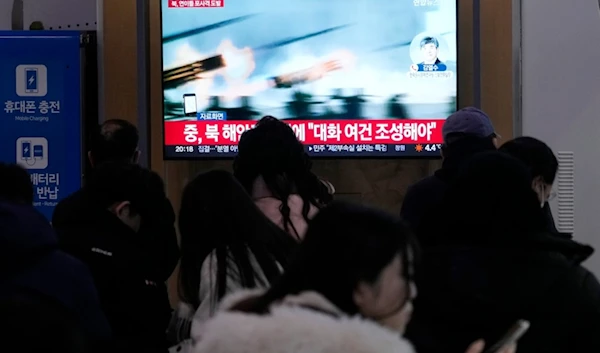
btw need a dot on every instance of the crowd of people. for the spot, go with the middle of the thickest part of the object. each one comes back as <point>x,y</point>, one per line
<point>269,262</point>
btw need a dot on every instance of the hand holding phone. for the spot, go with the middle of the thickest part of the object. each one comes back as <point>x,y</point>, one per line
<point>479,346</point>
<point>507,344</point>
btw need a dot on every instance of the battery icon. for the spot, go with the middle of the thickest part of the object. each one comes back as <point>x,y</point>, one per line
<point>31,80</point>
<point>38,151</point>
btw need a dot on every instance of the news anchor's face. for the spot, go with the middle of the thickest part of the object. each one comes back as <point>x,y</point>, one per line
<point>430,52</point>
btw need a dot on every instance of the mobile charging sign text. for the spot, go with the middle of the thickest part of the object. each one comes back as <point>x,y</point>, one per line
<point>40,115</point>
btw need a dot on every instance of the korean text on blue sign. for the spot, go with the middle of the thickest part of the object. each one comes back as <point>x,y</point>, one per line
<point>40,116</point>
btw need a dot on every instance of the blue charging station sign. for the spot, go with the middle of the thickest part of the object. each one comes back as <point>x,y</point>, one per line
<point>40,111</point>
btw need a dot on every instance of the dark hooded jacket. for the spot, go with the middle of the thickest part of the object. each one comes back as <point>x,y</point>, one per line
<point>32,265</point>
<point>159,237</point>
<point>131,289</point>
<point>495,263</point>
<point>423,200</point>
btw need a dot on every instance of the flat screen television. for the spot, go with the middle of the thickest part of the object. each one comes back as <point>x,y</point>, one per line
<point>353,78</point>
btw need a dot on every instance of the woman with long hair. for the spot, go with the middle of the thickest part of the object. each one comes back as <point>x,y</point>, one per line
<point>274,168</point>
<point>226,244</point>
<point>349,289</point>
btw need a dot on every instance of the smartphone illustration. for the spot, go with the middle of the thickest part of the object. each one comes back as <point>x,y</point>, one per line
<point>189,104</point>
<point>512,336</point>
<point>38,151</point>
<point>31,80</point>
<point>26,150</point>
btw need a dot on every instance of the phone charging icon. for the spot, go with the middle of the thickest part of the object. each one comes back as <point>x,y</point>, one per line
<point>32,152</point>
<point>31,80</point>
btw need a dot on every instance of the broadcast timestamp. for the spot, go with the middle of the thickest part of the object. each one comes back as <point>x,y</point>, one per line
<point>184,149</point>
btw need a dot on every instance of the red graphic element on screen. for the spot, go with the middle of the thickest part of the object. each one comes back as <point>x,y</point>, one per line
<point>312,132</point>
<point>196,3</point>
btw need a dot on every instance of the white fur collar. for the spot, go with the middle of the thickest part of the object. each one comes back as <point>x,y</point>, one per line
<point>291,328</point>
<point>310,299</point>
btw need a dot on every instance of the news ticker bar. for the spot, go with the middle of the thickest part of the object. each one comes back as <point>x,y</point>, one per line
<point>358,150</point>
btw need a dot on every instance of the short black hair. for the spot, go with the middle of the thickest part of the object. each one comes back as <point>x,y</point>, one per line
<point>114,182</point>
<point>500,187</point>
<point>114,140</point>
<point>535,154</point>
<point>430,40</point>
<point>15,184</point>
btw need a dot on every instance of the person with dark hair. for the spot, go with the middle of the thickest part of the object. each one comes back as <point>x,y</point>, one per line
<point>430,47</point>
<point>466,133</point>
<point>349,289</point>
<point>275,170</point>
<point>496,263</point>
<point>430,51</point>
<point>15,184</point>
<point>542,163</point>
<point>226,244</point>
<point>107,237</point>
<point>117,140</point>
<point>32,266</point>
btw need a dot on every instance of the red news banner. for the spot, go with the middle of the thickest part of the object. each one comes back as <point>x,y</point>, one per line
<point>329,132</point>
<point>196,3</point>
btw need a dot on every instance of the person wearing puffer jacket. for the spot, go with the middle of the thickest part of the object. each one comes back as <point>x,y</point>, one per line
<point>350,289</point>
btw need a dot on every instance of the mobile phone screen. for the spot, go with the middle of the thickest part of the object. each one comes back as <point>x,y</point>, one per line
<point>512,336</point>
<point>31,81</point>
<point>189,104</point>
<point>26,150</point>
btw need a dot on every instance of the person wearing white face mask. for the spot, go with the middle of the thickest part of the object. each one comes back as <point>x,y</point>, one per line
<point>543,165</point>
<point>496,263</point>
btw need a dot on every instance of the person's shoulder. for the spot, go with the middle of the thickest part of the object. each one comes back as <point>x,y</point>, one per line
<point>561,276</point>
<point>427,182</point>
<point>582,283</point>
<point>305,329</point>
<point>68,207</point>
<point>74,199</point>
<point>64,268</point>
<point>426,186</point>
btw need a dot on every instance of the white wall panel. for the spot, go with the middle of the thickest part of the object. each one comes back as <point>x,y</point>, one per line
<point>55,14</point>
<point>561,102</point>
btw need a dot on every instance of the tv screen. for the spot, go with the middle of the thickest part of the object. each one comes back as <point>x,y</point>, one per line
<point>353,78</point>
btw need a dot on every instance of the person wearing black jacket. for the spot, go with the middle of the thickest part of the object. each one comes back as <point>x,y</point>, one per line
<point>542,163</point>
<point>106,234</point>
<point>33,269</point>
<point>496,263</point>
<point>117,140</point>
<point>467,132</point>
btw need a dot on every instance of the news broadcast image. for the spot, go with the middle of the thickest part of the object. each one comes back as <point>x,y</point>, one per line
<point>354,78</point>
